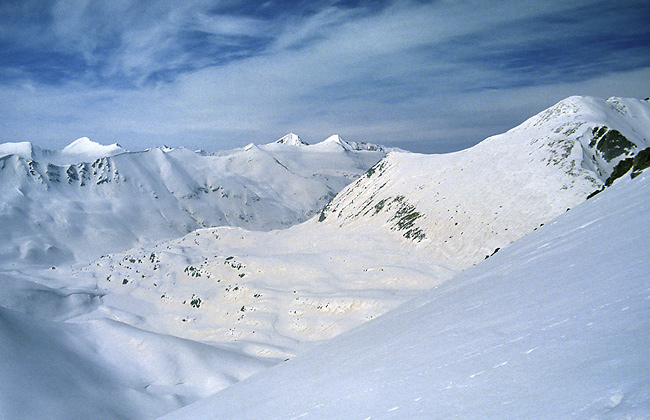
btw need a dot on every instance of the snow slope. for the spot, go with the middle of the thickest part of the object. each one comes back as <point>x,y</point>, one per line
<point>270,294</point>
<point>468,204</point>
<point>555,326</point>
<point>87,200</point>
<point>103,369</point>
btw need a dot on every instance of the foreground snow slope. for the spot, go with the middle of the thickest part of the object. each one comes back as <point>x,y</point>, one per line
<point>86,200</point>
<point>104,369</point>
<point>555,326</point>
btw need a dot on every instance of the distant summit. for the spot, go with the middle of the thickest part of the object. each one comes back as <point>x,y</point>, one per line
<point>291,139</point>
<point>80,150</point>
<point>338,140</point>
<point>335,143</point>
<point>86,147</point>
<point>23,149</point>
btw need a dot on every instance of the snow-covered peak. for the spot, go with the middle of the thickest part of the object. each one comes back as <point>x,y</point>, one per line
<point>595,134</point>
<point>581,111</point>
<point>291,139</point>
<point>502,188</point>
<point>332,143</point>
<point>23,149</point>
<point>338,140</point>
<point>86,147</point>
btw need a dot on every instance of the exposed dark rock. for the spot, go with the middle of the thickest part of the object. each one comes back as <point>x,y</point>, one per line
<point>405,219</point>
<point>596,192</point>
<point>620,169</point>
<point>195,302</point>
<point>641,162</point>
<point>610,143</point>
<point>72,174</point>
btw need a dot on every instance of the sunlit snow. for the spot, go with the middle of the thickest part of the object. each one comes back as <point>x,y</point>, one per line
<point>137,283</point>
<point>555,326</point>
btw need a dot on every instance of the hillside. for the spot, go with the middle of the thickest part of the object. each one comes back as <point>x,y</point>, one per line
<point>468,204</point>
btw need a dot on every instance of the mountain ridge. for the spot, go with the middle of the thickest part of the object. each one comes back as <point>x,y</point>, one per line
<point>156,194</point>
<point>557,158</point>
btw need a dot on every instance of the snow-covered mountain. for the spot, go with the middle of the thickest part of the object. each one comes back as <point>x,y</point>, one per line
<point>467,205</point>
<point>195,314</point>
<point>411,222</point>
<point>89,199</point>
<point>80,150</point>
<point>555,326</point>
<point>291,139</point>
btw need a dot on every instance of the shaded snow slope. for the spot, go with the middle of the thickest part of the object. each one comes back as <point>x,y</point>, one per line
<point>555,326</point>
<point>53,213</point>
<point>468,204</point>
<point>104,369</point>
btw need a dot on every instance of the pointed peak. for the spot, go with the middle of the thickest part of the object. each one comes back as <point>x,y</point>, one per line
<point>336,139</point>
<point>291,139</point>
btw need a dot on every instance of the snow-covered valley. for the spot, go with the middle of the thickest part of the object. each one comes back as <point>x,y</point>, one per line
<point>119,301</point>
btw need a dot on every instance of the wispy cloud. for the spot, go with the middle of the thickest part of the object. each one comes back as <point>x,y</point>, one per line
<point>431,76</point>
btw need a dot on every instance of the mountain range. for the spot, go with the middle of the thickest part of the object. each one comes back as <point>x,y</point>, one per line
<point>89,199</point>
<point>150,289</point>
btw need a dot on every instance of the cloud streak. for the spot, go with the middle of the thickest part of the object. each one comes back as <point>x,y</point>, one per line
<point>429,76</point>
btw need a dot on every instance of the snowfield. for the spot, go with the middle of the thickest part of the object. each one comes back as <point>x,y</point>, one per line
<point>476,284</point>
<point>555,326</point>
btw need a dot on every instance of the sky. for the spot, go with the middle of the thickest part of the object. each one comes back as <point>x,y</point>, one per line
<point>426,76</point>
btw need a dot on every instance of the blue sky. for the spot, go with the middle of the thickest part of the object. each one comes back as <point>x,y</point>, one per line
<point>427,76</point>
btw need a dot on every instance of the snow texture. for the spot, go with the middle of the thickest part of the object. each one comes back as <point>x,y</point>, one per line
<point>555,326</point>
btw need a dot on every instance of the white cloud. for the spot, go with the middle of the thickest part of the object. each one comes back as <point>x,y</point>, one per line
<point>410,72</point>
